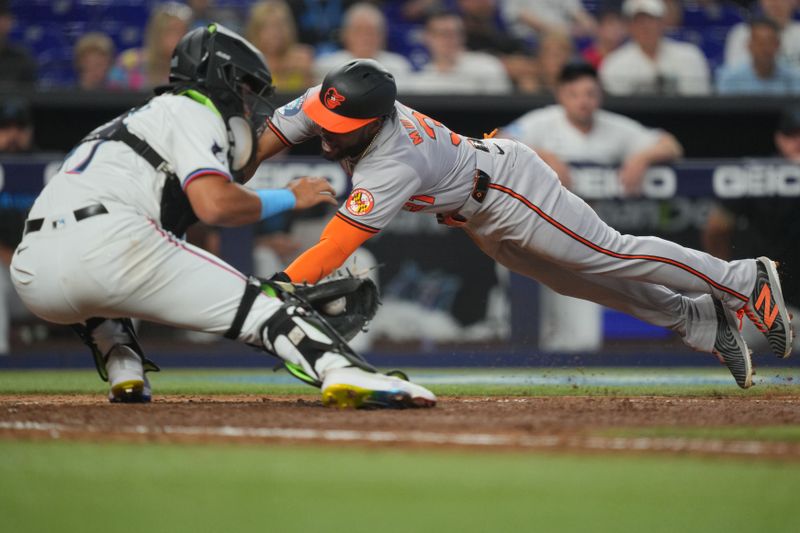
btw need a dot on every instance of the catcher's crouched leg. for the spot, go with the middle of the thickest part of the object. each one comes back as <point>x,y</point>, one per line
<point>119,358</point>
<point>315,352</point>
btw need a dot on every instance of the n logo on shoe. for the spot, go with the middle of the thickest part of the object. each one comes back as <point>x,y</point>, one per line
<point>765,299</point>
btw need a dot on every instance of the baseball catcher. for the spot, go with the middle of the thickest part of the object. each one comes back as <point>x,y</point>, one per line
<point>103,241</point>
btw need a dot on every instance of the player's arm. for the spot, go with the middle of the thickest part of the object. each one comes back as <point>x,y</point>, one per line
<point>220,202</point>
<point>666,148</point>
<point>338,241</point>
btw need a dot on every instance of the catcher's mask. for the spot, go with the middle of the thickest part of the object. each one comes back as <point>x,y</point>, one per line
<point>351,96</point>
<point>219,65</point>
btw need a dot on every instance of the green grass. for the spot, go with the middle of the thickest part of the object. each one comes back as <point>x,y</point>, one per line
<point>66,487</point>
<point>234,381</point>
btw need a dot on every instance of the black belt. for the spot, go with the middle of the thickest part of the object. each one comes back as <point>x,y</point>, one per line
<point>480,186</point>
<point>35,224</point>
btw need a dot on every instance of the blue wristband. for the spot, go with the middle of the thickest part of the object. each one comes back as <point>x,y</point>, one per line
<point>274,201</point>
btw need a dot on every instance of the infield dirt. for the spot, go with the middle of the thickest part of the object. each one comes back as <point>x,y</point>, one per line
<point>575,423</point>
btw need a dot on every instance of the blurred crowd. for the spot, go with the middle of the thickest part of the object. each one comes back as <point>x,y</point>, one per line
<point>674,47</point>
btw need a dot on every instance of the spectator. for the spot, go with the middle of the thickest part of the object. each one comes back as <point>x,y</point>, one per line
<point>147,67</point>
<point>451,68</point>
<point>16,63</point>
<point>736,227</point>
<point>93,57</point>
<point>781,11</point>
<point>576,130</point>
<point>485,32</point>
<point>16,127</point>
<point>765,72</point>
<point>271,28</point>
<point>555,51</point>
<point>652,63</point>
<point>611,33</point>
<point>364,36</point>
<point>531,18</point>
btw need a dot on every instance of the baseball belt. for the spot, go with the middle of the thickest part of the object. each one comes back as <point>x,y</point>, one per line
<point>35,224</point>
<point>480,185</point>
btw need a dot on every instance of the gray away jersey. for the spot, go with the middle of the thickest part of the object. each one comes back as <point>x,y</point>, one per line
<point>415,163</point>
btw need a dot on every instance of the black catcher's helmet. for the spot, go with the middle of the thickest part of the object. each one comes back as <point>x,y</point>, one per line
<point>230,71</point>
<point>225,67</point>
<point>352,95</point>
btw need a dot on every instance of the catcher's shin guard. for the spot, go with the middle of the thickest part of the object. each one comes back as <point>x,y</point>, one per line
<point>297,333</point>
<point>110,333</point>
<point>308,345</point>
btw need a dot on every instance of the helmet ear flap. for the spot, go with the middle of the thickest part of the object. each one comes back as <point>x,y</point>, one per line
<point>242,140</point>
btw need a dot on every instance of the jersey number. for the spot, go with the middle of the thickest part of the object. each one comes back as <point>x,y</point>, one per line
<point>427,124</point>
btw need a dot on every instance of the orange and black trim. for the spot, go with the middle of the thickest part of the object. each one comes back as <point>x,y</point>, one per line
<point>611,253</point>
<point>357,225</point>
<point>278,134</point>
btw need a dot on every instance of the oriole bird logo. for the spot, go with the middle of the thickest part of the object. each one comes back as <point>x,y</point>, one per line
<point>333,99</point>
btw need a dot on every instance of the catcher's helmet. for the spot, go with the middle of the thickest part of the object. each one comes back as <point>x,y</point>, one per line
<point>225,68</point>
<point>351,96</point>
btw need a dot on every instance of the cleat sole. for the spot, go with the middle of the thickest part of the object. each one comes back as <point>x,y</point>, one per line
<point>344,396</point>
<point>131,391</point>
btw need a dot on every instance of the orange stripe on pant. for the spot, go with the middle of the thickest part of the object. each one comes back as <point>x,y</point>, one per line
<point>611,253</point>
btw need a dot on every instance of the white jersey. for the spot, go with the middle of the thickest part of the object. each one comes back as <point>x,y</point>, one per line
<point>187,134</point>
<point>414,163</point>
<point>680,68</point>
<point>612,139</point>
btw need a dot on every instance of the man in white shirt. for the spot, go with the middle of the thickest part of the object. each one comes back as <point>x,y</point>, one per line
<point>364,36</point>
<point>527,19</point>
<point>779,11</point>
<point>652,63</point>
<point>576,130</point>
<point>452,69</point>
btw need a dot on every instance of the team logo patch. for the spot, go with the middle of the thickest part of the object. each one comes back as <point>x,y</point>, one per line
<point>333,99</point>
<point>360,202</point>
<point>216,149</point>
<point>293,107</point>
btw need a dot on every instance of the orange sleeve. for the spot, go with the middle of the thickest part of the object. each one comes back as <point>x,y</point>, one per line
<point>341,237</point>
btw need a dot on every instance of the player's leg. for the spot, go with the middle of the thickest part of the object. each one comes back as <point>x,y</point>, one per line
<point>528,204</point>
<point>118,357</point>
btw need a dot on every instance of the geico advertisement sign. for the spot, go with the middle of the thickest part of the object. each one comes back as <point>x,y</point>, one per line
<point>597,183</point>
<point>737,181</point>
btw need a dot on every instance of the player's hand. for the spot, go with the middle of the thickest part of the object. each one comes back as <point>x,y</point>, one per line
<point>631,174</point>
<point>309,192</point>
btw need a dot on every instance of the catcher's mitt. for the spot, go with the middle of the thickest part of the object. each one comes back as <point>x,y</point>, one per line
<point>347,304</point>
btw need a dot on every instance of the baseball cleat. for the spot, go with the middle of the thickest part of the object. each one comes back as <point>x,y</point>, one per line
<point>126,376</point>
<point>767,309</point>
<point>354,388</point>
<point>730,347</point>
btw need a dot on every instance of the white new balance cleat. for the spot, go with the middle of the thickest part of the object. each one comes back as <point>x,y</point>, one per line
<point>126,376</point>
<point>354,388</point>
